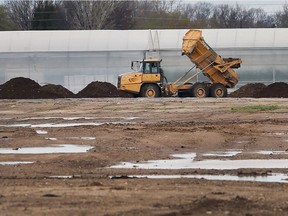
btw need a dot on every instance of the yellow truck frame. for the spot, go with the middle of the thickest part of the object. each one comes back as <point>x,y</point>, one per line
<point>148,81</point>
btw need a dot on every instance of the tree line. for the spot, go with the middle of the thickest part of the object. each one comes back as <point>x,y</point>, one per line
<point>137,14</point>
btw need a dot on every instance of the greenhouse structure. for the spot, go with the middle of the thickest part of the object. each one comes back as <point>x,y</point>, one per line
<point>74,59</point>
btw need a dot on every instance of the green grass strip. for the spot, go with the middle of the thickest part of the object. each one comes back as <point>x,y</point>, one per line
<point>256,108</point>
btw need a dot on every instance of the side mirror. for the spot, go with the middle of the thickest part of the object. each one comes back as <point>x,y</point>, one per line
<point>135,65</point>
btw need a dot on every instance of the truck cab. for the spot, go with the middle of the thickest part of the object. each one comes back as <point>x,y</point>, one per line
<point>145,81</point>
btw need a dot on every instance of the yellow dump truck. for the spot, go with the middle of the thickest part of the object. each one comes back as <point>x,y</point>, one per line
<point>149,79</point>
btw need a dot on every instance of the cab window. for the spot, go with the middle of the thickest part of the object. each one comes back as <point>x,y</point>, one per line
<point>151,68</point>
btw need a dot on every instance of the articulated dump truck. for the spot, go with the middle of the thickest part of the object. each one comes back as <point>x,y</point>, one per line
<point>149,79</point>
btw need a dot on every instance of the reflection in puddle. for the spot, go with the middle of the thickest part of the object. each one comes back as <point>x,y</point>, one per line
<point>41,132</point>
<point>15,162</point>
<point>69,118</point>
<point>280,134</point>
<point>275,177</point>
<point>190,163</point>
<point>87,138</point>
<point>71,138</point>
<point>99,121</point>
<point>65,176</point>
<point>226,153</point>
<point>61,177</point>
<point>51,138</point>
<point>60,125</point>
<point>272,152</point>
<point>82,138</point>
<point>66,148</point>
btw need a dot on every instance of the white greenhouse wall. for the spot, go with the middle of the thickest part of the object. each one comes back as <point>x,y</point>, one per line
<point>76,58</point>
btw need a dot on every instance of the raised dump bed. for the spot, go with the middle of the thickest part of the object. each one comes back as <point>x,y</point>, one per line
<point>216,68</point>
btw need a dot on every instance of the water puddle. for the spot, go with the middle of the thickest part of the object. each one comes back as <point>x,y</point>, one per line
<point>15,162</point>
<point>65,177</point>
<point>272,152</point>
<point>41,132</point>
<point>185,162</point>
<point>280,134</point>
<point>224,153</point>
<point>66,122</point>
<point>82,138</point>
<point>62,125</point>
<point>70,118</point>
<point>65,148</point>
<point>51,138</point>
<point>274,177</point>
<point>71,138</point>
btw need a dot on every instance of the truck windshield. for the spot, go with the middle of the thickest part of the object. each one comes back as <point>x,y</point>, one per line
<point>151,67</point>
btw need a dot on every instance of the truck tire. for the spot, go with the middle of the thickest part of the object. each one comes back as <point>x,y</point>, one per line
<point>217,90</point>
<point>184,94</point>
<point>200,90</point>
<point>150,90</point>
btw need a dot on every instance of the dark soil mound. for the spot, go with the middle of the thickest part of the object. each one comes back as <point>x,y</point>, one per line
<point>20,88</point>
<point>55,91</point>
<point>249,90</point>
<point>259,90</point>
<point>101,89</point>
<point>275,90</point>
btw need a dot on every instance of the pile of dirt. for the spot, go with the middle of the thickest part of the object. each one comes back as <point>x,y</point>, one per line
<point>249,90</point>
<point>101,89</point>
<point>275,90</point>
<point>259,90</point>
<point>55,91</point>
<point>20,88</point>
<point>25,88</point>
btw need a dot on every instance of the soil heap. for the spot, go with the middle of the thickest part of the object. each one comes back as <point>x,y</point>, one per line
<point>101,89</point>
<point>20,88</point>
<point>259,90</point>
<point>25,88</point>
<point>55,91</point>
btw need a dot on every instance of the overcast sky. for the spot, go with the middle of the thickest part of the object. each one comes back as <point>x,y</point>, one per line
<point>268,5</point>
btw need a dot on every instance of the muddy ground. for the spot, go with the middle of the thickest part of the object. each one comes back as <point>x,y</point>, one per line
<point>136,130</point>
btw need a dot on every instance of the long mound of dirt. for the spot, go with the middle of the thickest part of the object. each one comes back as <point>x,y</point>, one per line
<point>274,90</point>
<point>249,90</point>
<point>25,88</point>
<point>101,89</point>
<point>259,90</point>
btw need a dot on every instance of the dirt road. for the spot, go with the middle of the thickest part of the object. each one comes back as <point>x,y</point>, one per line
<point>215,132</point>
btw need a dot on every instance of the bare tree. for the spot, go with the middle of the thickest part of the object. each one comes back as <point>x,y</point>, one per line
<point>159,14</point>
<point>281,17</point>
<point>5,22</point>
<point>225,16</point>
<point>89,14</point>
<point>21,13</point>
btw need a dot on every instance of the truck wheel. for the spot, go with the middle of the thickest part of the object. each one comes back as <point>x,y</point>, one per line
<point>200,90</point>
<point>218,90</point>
<point>184,94</point>
<point>150,90</point>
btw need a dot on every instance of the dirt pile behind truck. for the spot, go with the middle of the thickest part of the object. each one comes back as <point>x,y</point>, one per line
<point>259,90</point>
